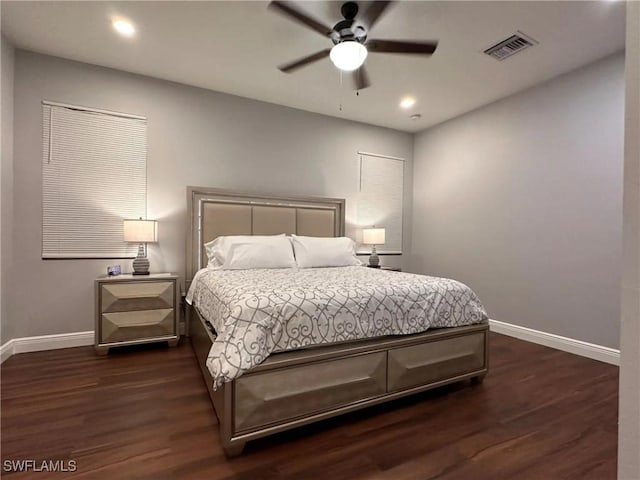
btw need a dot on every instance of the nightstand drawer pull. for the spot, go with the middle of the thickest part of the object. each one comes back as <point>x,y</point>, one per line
<point>124,326</point>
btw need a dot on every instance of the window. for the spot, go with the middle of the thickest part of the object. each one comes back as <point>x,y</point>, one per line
<point>380,198</point>
<point>93,177</point>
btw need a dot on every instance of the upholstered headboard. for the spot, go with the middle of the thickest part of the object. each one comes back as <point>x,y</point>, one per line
<point>215,212</point>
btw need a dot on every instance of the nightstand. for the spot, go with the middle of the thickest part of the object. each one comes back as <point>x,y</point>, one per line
<point>391,269</point>
<point>134,309</point>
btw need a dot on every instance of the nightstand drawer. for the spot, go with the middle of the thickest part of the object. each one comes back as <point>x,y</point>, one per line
<point>135,325</point>
<point>134,296</point>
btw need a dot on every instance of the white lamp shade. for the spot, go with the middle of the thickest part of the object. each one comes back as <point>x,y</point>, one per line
<point>140,231</point>
<point>348,56</point>
<point>373,236</point>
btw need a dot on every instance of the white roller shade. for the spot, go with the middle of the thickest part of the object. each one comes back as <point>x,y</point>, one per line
<point>93,177</point>
<point>380,199</point>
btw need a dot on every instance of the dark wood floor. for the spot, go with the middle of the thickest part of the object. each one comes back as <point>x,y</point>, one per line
<point>540,414</point>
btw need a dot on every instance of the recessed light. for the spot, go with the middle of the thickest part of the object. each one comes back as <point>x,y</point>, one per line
<point>407,102</point>
<point>124,27</point>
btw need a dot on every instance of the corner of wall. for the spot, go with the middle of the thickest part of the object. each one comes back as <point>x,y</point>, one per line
<point>6,185</point>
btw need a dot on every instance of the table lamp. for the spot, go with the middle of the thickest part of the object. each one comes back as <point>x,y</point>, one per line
<point>142,232</point>
<point>373,236</point>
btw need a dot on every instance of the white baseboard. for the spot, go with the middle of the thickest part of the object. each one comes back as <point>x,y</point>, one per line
<point>6,350</point>
<point>45,342</point>
<point>577,347</point>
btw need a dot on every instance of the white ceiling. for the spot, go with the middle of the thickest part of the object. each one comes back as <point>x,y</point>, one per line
<point>234,47</point>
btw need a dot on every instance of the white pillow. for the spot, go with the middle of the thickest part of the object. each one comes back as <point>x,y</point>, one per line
<point>324,251</point>
<point>218,249</point>
<point>245,256</point>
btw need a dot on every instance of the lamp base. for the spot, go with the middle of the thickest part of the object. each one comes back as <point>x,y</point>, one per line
<point>374,260</point>
<point>141,263</point>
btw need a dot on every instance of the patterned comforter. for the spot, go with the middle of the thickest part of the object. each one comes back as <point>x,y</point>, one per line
<point>259,312</point>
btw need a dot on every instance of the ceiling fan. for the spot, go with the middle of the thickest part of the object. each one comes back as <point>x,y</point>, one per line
<point>349,37</point>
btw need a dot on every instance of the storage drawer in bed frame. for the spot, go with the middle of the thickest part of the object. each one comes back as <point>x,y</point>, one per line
<point>291,389</point>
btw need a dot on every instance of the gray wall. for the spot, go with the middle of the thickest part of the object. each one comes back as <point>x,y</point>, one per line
<point>522,200</point>
<point>629,424</point>
<point>6,187</point>
<point>196,137</point>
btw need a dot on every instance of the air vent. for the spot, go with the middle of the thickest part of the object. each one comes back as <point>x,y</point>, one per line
<point>512,45</point>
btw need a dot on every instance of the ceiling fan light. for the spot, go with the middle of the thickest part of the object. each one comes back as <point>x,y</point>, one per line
<point>348,56</point>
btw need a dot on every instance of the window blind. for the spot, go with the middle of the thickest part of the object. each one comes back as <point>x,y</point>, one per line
<point>93,177</point>
<point>380,199</point>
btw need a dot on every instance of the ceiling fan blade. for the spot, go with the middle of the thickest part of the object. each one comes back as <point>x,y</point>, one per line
<point>291,66</point>
<point>361,78</point>
<point>300,17</point>
<point>374,13</point>
<point>396,46</point>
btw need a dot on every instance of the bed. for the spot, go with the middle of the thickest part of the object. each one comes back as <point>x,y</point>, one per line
<point>316,363</point>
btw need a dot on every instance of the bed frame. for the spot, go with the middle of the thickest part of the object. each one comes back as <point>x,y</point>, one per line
<point>292,389</point>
